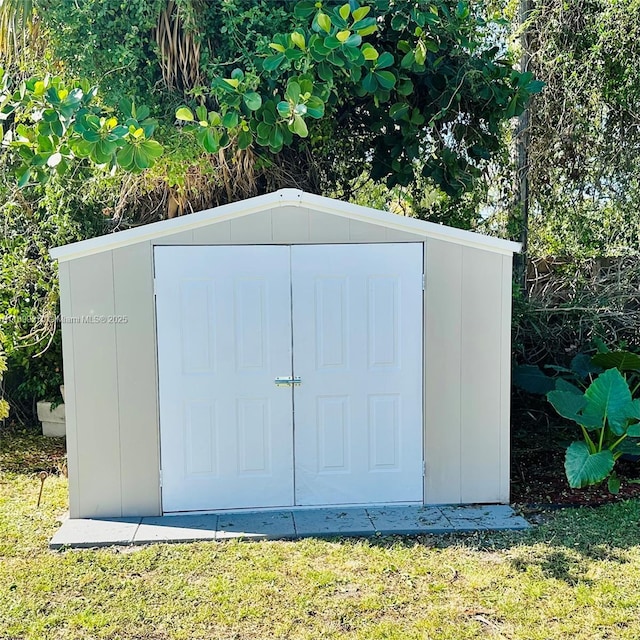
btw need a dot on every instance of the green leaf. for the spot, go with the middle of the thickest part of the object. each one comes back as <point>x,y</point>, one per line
<point>252,100</point>
<point>211,142</point>
<point>304,9</point>
<point>369,83</point>
<point>462,10</point>
<point>292,94</point>
<point>184,113</point>
<point>124,157</point>
<point>331,42</point>
<point>324,21</point>
<point>271,63</point>
<point>622,360</point>
<point>140,159</point>
<point>385,60</point>
<point>23,175</point>
<point>325,72</point>
<point>386,79</point>
<point>152,148</point>
<point>230,119</point>
<point>408,60</point>
<point>298,40</point>
<point>299,126</point>
<point>201,113</point>
<point>344,11</point>
<point>284,109</point>
<point>142,112</point>
<point>277,47</point>
<point>609,398</point>
<point>354,40</point>
<point>276,138</point>
<point>245,138</point>
<point>584,468</point>
<point>360,13</point>
<point>398,110</point>
<point>315,107</point>
<point>614,483</point>
<point>405,87</point>
<point>369,53</point>
<point>568,405</point>
<point>536,86</point>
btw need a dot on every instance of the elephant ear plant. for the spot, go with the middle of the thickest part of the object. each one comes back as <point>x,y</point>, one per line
<point>607,415</point>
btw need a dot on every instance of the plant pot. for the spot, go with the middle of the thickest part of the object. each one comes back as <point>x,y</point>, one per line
<point>52,419</point>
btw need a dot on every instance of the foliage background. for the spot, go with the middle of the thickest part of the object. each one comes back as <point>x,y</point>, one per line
<point>583,162</point>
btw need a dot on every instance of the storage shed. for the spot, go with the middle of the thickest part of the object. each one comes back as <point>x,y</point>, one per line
<point>286,350</point>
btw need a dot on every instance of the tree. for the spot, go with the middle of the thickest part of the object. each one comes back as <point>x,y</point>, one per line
<point>585,128</point>
<point>416,89</point>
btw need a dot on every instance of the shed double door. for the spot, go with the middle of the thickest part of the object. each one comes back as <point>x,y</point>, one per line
<point>238,326</point>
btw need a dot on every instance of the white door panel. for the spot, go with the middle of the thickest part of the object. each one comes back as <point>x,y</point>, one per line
<point>357,339</point>
<point>224,335</point>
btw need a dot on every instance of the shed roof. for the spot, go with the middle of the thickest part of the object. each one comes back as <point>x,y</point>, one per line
<point>284,197</point>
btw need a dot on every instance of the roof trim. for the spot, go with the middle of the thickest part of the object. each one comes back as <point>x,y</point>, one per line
<point>284,197</point>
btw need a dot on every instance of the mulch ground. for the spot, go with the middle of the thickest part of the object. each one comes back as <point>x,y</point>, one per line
<point>537,462</point>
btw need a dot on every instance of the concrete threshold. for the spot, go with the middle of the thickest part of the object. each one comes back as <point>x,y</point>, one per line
<point>286,524</point>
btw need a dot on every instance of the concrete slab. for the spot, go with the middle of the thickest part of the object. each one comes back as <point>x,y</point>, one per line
<point>256,525</point>
<point>333,522</point>
<point>87,533</point>
<point>409,520</point>
<point>286,524</point>
<point>178,528</point>
<point>484,518</point>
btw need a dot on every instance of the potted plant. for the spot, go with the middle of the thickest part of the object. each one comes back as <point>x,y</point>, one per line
<point>52,417</point>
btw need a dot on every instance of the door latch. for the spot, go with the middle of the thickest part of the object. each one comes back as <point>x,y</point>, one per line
<point>288,381</point>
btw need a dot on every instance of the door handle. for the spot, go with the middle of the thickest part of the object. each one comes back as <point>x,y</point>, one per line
<point>287,381</point>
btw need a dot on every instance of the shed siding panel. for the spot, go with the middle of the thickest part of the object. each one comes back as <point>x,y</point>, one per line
<point>219,233</point>
<point>183,237</point>
<point>443,330</point>
<point>481,391</point>
<point>252,229</point>
<point>505,380</point>
<point>290,225</point>
<point>328,228</point>
<point>96,387</point>
<point>393,235</point>
<point>365,232</point>
<point>137,380</point>
<point>69,388</point>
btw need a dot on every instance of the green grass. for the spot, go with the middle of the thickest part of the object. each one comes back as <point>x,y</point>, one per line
<point>577,576</point>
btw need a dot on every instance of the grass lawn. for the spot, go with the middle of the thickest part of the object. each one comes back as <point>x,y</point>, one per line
<point>577,576</point>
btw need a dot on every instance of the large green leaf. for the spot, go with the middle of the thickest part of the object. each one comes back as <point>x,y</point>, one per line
<point>609,398</point>
<point>526,376</point>
<point>584,468</point>
<point>622,360</point>
<point>569,405</point>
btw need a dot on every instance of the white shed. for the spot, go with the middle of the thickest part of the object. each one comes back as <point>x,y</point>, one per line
<point>287,350</point>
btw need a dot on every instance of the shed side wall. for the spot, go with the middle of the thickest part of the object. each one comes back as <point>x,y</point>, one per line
<point>467,374</point>
<point>94,393</point>
<point>137,380</point>
<point>443,367</point>
<point>64,275</point>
